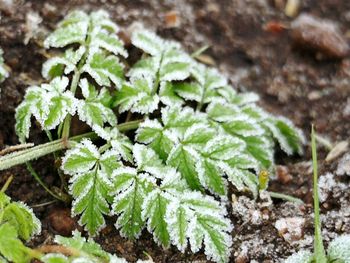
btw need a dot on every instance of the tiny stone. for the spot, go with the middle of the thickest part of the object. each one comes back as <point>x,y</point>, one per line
<point>290,228</point>
<point>319,35</point>
<point>61,221</point>
<point>314,95</point>
<point>344,165</point>
<point>172,19</point>
<point>283,174</point>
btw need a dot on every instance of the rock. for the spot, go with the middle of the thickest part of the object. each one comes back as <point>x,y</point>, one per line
<point>172,19</point>
<point>61,221</point>
<point>337,150</point>
<point>319,35</point>
<point>343,165</point>
<point>290,228</point>
<point>283,174</point>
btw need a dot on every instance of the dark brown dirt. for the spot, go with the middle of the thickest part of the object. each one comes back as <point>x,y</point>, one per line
<point>291,82</point>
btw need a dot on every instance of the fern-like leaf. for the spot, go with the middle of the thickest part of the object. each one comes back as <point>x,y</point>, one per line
<point>49,104</point>
<point>90,184</point>
<point>137,96</point>
<point>95,108</point>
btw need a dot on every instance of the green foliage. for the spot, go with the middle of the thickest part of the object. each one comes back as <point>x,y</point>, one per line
<point>17,224</point>
<point>197,135</point>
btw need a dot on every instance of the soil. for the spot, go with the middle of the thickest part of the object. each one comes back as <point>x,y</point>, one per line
<point>291,81</point>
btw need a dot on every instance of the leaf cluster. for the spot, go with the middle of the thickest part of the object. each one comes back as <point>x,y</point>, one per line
<point>197,136</point>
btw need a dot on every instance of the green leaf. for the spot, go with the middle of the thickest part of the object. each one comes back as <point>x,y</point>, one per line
<point>184,159</point>
<point>232,97</point>
<point>147,41</point>
<point>56,66</point>
<point>11,247</point>
<point>289,138</point>
<point>151,132</point>
<point>131,190</point>
<point>110,42</point>
<point>154,210</point>
<point>49,103</point>
<point>23,219</point>
<point>261,149</point>
<point>167,94</point>
<point>121,144</point>
<point>204,90</point>
<point>202,220</point>
<point>95,109</point>
<point>104,69</point>
<point>73,29</point>
<point>90,184</point>
<point>137,96</point>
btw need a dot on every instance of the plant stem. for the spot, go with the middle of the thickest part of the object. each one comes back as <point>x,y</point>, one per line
<point>199,51</point>
<point>67,120</point>
<point>37,178</point>
<point>6,185</point>
<point>320,254</point>
<point>286,197</point>
<point>35,152</point>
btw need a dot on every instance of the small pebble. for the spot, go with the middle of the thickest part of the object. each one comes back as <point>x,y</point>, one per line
<point>290,228</point>
<point>172,19</point>
<point>61,221</point>
<point>323,36</point>
<point>283,174</point>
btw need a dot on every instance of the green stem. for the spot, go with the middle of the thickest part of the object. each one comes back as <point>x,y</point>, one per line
<point>199,51</point>
<point>6,185</point>
<point>37,178</point>
<point>320,254</point>
<point>35,152</point>
<point>67,120</point>
<point>286,197</point>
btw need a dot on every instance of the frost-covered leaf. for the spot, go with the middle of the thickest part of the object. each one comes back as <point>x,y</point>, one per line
<point>287,135</point>
<point>66,63</point>
<point>200,219</point>
<point>339,249</point>
<point>209,168</point>
<point>184,159</point>
<point>151,132</point>
<point>90,184</point>
<point>303,256</point>
<point>232,97</point>
<point>103,68</point>
<point>137,96</point>
<point>261,149</point>
<point>49,104</point>
<point>95,109</point>
<point>73,29</point>
<point>3,71</point>
<point>148,42</point>
<point>168,62</point>
<point>102,38</point>
<point>167,94</point>
<point>204,89</point>
<point>131,190</point>
<point>121,144</point>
